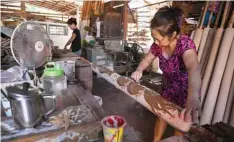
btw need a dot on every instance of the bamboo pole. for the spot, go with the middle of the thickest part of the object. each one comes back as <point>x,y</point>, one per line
<point>216,78</point>
<point>209,43</point>
<point>199,31</point>
<point>125,20</point>
<point>225,87</point>
<point>205,35</point>
<point>212,57</point>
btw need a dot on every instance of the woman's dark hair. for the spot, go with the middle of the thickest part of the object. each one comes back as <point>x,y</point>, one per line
<point>71,21</point>
<point>167,20</point>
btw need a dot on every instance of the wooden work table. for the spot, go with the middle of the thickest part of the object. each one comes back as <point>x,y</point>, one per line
<point>76,95</point>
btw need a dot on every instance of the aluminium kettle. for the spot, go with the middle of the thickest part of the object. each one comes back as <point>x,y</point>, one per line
<point>27,105</point>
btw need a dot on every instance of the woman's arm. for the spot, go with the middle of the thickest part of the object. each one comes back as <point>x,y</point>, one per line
<point>194,83</point>
<point>146,62</point>
<point>70,40</point>
<point>142,66</point>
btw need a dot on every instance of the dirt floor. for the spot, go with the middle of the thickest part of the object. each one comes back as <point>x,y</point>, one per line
<point>140,121</point>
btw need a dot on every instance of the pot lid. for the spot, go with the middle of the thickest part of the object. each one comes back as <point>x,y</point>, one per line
<point>24,90</point>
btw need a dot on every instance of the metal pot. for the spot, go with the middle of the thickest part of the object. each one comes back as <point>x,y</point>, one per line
<point>27,104</point>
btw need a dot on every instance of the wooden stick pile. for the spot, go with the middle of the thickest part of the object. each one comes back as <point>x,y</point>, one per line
<point>6,55</point>
<point>216,53</point>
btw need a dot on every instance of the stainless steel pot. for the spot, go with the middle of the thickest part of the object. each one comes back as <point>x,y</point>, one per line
<point>27,105</point>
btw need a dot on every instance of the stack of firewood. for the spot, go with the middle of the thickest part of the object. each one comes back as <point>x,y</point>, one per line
<point>6,55</point>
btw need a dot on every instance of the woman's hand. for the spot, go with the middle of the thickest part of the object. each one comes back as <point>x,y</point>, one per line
<point>192,110</point>
<point>142,66</point>
<point>136,75</point>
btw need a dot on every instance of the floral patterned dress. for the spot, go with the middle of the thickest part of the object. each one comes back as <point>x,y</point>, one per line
<point>175,74</point>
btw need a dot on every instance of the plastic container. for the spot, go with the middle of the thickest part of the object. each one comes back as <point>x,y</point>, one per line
<point>54,81</point>
<point>69,68</point>
<point>113,128</point>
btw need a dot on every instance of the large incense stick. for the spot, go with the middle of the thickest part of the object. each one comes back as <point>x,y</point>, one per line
<point>230,103</point>
<point>205,36</point>
<point>209,43</point>
<point>216,78</point>
<point>146,97</point>
<point>212,57</point>
<point>199,31</point>
<point>231,119</point>
<point>198,24</point>
<point>225,87</point>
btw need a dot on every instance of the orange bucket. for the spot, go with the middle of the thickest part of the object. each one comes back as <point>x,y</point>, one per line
<point>113,128</point>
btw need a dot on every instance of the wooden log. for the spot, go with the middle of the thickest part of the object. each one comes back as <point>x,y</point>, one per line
<point>217,76</point>
<point>229,103</point>
<point>125,20</point>
<point>146,97</point>
<point>199,31</point>
<point>225,87</point>
<point>214,50</point>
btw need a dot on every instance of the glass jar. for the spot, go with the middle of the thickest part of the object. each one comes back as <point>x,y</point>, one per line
<point>54,81</point>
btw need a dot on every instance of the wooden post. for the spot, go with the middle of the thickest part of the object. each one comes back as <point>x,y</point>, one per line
<point>78,16</point>
<point>137,27</point>
<point>125,20</point>
<point>23,7</point>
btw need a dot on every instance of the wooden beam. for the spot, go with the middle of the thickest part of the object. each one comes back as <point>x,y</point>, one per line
<point>71,10</point>
<point>150,4</point>
<point>9,9</point>
<point>125,20</point>
<point>35,13</point>
<point>9,2</point>
<point>56,7</point>
<point>6,5</point>
<point>45,5</point>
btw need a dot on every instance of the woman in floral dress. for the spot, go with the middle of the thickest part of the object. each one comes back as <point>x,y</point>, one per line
<point>178,60</point>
